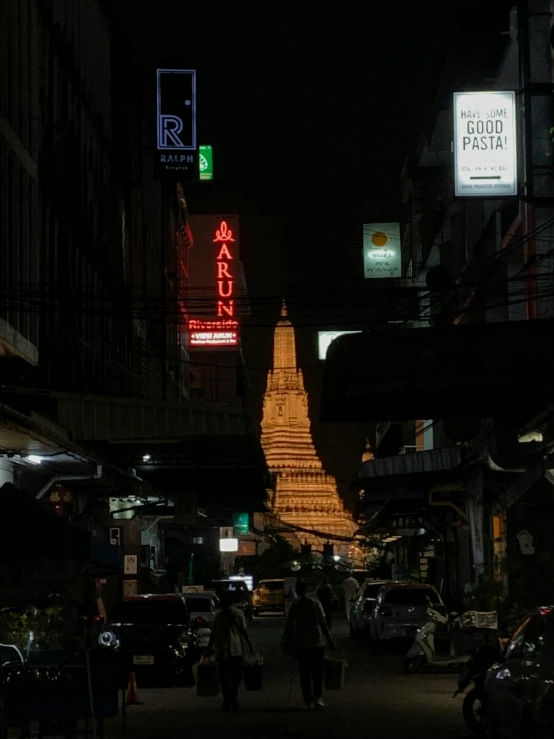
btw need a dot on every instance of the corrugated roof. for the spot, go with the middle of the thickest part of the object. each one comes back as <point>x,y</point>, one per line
<point>432,460</point>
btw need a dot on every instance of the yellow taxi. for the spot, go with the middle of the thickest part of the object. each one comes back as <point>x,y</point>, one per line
<point>269,595</point>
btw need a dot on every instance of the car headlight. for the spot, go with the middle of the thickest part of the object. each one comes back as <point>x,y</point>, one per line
<point>108,639</point>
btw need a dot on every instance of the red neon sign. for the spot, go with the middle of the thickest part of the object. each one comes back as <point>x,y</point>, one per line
<point>225,279</point>
<point>224,330</point>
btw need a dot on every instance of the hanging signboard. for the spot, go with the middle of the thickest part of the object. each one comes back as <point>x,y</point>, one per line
<point>215,282</point>
<point>485,144</point>
<point>382,250</point>
<point>206,163</point>
<point>176,149</point>
<point>241,524</point>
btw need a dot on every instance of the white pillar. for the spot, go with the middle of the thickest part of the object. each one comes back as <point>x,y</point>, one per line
<point>6,471</point>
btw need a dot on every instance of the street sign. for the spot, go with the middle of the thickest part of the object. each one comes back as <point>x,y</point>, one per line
<point>206,163</point>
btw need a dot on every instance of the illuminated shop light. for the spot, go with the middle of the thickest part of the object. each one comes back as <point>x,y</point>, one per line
<point>229,545</point>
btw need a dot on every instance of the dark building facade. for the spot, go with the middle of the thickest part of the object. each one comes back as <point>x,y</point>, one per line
<point>473,369</point>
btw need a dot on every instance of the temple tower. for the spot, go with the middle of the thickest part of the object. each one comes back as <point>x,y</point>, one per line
<point>305,495</point>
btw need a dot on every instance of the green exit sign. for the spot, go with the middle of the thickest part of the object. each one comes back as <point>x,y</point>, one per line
<point>206,162</point>
<point>241,523</point>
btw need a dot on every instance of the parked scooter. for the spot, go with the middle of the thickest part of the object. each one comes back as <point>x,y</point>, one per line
<point>475,672</point>
<point>423,652</point>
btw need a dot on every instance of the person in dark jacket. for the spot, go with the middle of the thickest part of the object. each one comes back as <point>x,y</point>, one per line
<point>307,630</point>
<point>326,597</point>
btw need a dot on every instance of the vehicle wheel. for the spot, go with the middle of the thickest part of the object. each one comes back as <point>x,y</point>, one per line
<point>413,664</point>
<point>472,711</point>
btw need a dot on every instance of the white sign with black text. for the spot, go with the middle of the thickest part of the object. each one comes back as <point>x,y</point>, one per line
<point>485,144</point>
<point>130,564</point>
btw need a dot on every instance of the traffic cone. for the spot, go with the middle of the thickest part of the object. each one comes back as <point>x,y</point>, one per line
<point>132,691</point>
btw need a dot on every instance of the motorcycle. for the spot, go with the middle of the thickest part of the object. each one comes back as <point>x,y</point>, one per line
<point>475,672</point>
<point>423,650</point>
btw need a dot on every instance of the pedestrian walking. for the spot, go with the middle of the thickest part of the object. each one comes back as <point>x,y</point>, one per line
<point>349,587</point>
<point>307,631</point>
<point>228,639</point>
<point>326,597</point>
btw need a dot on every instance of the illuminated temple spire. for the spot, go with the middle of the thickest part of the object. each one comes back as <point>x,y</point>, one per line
<point>305,496</point>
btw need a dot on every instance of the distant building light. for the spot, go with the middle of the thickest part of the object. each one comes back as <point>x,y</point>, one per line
<point>229,545</point>
<point>146,457</point>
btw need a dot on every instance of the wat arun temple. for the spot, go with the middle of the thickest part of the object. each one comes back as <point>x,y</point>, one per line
<point>305,500</point>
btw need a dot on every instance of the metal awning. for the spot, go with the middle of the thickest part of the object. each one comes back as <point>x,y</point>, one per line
<point>97,418</point>
<point>411,466</point>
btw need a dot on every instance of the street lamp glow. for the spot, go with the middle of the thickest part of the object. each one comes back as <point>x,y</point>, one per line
<point>146,458</point>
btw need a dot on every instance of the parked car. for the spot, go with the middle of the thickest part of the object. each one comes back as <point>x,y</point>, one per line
<point>155,636</point>
<point>401,609</point>
<point>362,607</point>
<point>269,596</point>
<point>239,592</point>
<point>202,608</point>
<point>519,688</point>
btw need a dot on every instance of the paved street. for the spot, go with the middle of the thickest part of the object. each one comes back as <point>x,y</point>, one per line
<point>378,700</point>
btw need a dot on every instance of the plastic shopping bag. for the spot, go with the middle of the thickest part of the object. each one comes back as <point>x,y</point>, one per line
<point>334,672</point>
<point>207,678</point>
<point>252,672</point>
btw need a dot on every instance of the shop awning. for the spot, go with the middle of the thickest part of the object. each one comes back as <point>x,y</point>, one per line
<point>410,468</point>
<point>30,531</point>
<point>456,371</point>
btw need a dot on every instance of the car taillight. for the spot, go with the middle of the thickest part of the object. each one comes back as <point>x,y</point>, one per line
<point>385,611</point>
<point>199,621</point>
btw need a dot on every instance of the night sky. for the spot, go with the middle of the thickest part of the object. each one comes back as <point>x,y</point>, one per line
<point>311,116</point>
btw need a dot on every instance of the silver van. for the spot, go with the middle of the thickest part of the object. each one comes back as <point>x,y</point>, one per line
<point>401,609</point>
